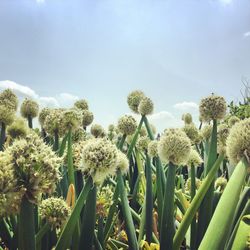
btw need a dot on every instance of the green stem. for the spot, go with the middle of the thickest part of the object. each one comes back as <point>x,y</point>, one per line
<point>149,201</point>
<point>132,144</point>
<point>167,220</point>
<point>44,229</point>
<point>221,222</point>
<point>2,136</point>
<point>121,142</point>
<point>206,208</point>
<point>56,141</point>
<point>71,174</point>
<point>89,218</point>
<point>194,206</point>
<point>193,225</point>
<point>70,225</point>
<point>30,123</point>
<point>130,229</point>
<point>26,235</point>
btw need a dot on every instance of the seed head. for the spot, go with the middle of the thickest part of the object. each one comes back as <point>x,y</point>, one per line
<point>9,100</point>
<point>146,106</point>
<point>82,104</point>
<point>87,118</point>
<point>142,143</point>
<point>97,131</point>
<point>192,132</point>
<point>71,119</point>
<point>238,141</point>
<point>232,120</point>
<point>127,125</point>
<point>123,163</point>
<point>174,146</point>
<point>29,108</point>
<point>53,122</point>
<point>187,118</point>
<point>213,108</point>
<point>152,149</point>
<point>220,184</point>
<point>194,159</point>
<point>134,99</point>
<point>42,115</point>
<point>206,132</point>
<point>18,129</point>
<point>55,211</point>
<point>7,116</point>
<point>100,158</point>
<point>35,165</point>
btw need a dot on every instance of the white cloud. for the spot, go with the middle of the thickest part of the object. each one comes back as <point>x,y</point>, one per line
<point>19,89</point>
<point>183,106</point>
<point>22,91</point>
<point>246,34</point>
<point>40,1</point>
<point>164,119</point>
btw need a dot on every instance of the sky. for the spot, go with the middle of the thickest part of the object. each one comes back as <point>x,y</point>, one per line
<point>178,51</point>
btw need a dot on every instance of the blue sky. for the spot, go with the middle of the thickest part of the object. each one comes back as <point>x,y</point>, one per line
<point>175,51</point>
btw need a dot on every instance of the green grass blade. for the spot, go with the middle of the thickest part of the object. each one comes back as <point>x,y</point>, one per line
<point>70,225</point>
<point>195,204</point>
<point>221,222</point>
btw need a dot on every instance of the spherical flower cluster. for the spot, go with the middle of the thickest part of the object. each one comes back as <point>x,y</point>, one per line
<point>198,183</point>
<point>122,162</point>
<point>206,132</point>
<point>77,154</point>
<point>194,159</point>
<point>9,100</point>
<point>42,115</point>
<point>152,149</point>
<point>174,146</point>
<point>87,118</point>
<point>220,184</point>
<point>79,135</point>
<point>146,106</point>
<point>6,116</point>
<point>35,165</point>
<point>82,104</point>
<point>222,134</point>
<point>143,131</point>
<point>18,129</point>
<point>212,108</point>
<point>29,108</point>
<point>187,118</point>
<point>192,132</point>
<point>142,143</point>
<point>127,125</point>
<point>100,158</point>
<point>104,201</point>
<point>10,193</point>
<point>55,211</point>
<point>134,99</point>
<point>71,119</point>
<point>238,141</point>
<point>97,130</point>
<point>232,120</point>
<point>53,122</point>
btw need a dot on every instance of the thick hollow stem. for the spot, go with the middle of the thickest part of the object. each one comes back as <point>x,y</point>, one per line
<point>30,123</point>
<point>2,136</point>
<point>26,236</point>
<point>167,221</point>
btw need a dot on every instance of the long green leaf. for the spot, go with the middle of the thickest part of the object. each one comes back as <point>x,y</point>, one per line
<point>220,225</point>
<point>195,204</point>
<point>69,227</point>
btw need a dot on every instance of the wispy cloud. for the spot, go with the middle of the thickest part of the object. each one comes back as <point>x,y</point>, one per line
<point>22,91</point>
<point>183,106</point>
<point>246,34</point>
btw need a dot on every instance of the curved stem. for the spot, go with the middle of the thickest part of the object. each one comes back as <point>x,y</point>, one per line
<point>2,136</point>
